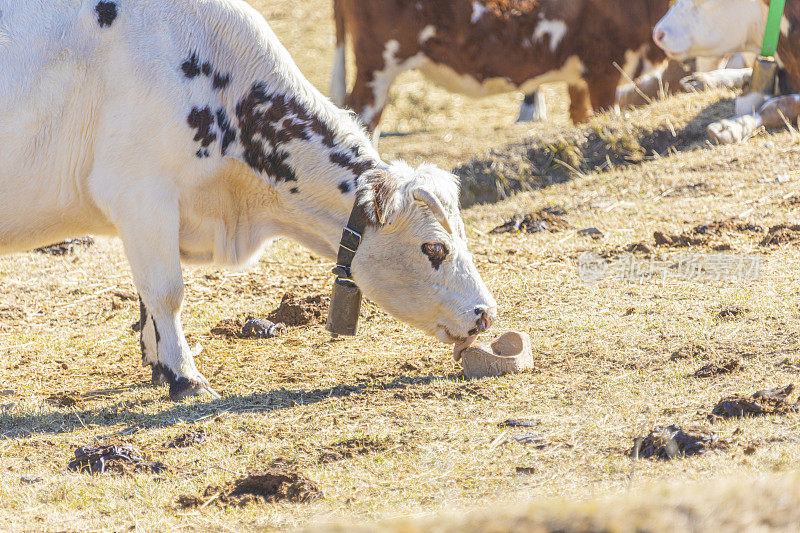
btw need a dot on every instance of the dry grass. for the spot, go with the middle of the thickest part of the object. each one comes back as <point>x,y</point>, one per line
<point>765,503</point>
<point>603,374</point>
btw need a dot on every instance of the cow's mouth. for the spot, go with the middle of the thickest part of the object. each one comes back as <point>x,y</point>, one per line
<point>677,55</point>
<point>460,343</point>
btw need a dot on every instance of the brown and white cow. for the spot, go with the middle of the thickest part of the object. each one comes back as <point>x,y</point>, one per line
<point>485,47</point>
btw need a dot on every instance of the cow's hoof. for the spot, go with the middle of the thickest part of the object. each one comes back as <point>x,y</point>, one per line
<point>725,132</point>
<point>158,378</point>
<point>184,388</point>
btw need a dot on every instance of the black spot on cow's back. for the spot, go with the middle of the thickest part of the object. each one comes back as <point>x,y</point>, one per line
<point>294,190</point>
<point>344,187</point>
<point>191,67</point>
<point>106,13</point>
<point>203,121</point>
<point>206,69</point>
<point>226,130</point>
<point>220,81</point>
<point>259,94</point>
<point>345,160</point>
<point>270,120</point>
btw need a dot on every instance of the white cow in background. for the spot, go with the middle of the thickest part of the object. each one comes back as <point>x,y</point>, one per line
<point>698,27</point>
<point>703,28</point>
<point>694,28</point>
<point>184,127</point>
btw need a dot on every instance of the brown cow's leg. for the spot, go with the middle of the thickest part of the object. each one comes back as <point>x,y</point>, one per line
<point>580,106</point>
<point>603,90</point>
<point>369,98</point>
<point>672,76</point>
<point>653,86</point>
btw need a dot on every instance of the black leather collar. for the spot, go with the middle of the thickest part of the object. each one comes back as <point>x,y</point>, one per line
<point>350,241</point>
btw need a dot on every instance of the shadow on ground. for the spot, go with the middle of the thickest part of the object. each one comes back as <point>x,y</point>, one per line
<point>607,142</point>
<point>125,412</point>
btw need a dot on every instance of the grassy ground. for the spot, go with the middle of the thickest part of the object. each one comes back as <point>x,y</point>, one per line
<point>603,369</point>
<point>764,503</point>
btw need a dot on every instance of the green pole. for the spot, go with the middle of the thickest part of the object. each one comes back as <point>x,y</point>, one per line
<point>773,31</point>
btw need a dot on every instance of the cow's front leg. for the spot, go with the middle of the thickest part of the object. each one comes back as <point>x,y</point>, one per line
<point>580,107</point>
<point>368,99</point>
<point>533,108</point>
<point>149,231</point>
<point>602,88</point>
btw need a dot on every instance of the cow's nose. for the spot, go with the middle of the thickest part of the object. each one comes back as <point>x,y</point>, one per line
<point>658,36</point>
<point>484,320</point>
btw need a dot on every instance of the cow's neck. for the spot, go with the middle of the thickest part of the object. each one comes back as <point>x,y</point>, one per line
<point>787,54</point>
<point>315,220</point>
<point>307,154</point>
<point>311,153</point>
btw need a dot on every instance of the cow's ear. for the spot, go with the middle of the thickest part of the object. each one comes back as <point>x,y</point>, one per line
<point>378,196</point>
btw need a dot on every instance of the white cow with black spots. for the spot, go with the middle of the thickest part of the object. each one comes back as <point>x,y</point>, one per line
<point>184,127</point>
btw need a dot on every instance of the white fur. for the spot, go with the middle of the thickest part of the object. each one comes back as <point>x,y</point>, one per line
<point>554,29</point>
<point>339,77</point>
<point>428,32</point>
<point>536,111</point>
<point>94,136</point>
<point>382,79</point>
<point>750,103</point>
<point>708,64</point>
<point>478,10</point>
<point>693,28</point>
<point>633,59</point>
<point>740,61</point>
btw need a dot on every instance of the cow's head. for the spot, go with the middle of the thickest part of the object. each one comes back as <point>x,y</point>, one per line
<point>416,264</point>
<point>711,28</point>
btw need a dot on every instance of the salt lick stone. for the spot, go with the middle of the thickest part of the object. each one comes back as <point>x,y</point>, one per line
<point>508,354</point>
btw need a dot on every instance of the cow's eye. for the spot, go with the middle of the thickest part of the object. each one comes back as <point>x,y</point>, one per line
<point>436,252</point>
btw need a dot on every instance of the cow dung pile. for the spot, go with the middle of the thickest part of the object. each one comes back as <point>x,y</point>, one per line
<point>688,351</point>
<point>63,399</point>
<point>117,458</point>
<point>763,402</point>
<point>726,366</point>
<point>66,247</point>
<point>547,219</point>
<point>714,235</point>
<point>781,234</point>
<point>350,448</point>
<point>297,311</point>
<point>190,438</point>
<point>673,441</point>
<point>265,486</point>
<point>248,328</point>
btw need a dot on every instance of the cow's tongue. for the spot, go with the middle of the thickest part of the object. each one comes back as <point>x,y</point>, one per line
<point>463,345</point>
